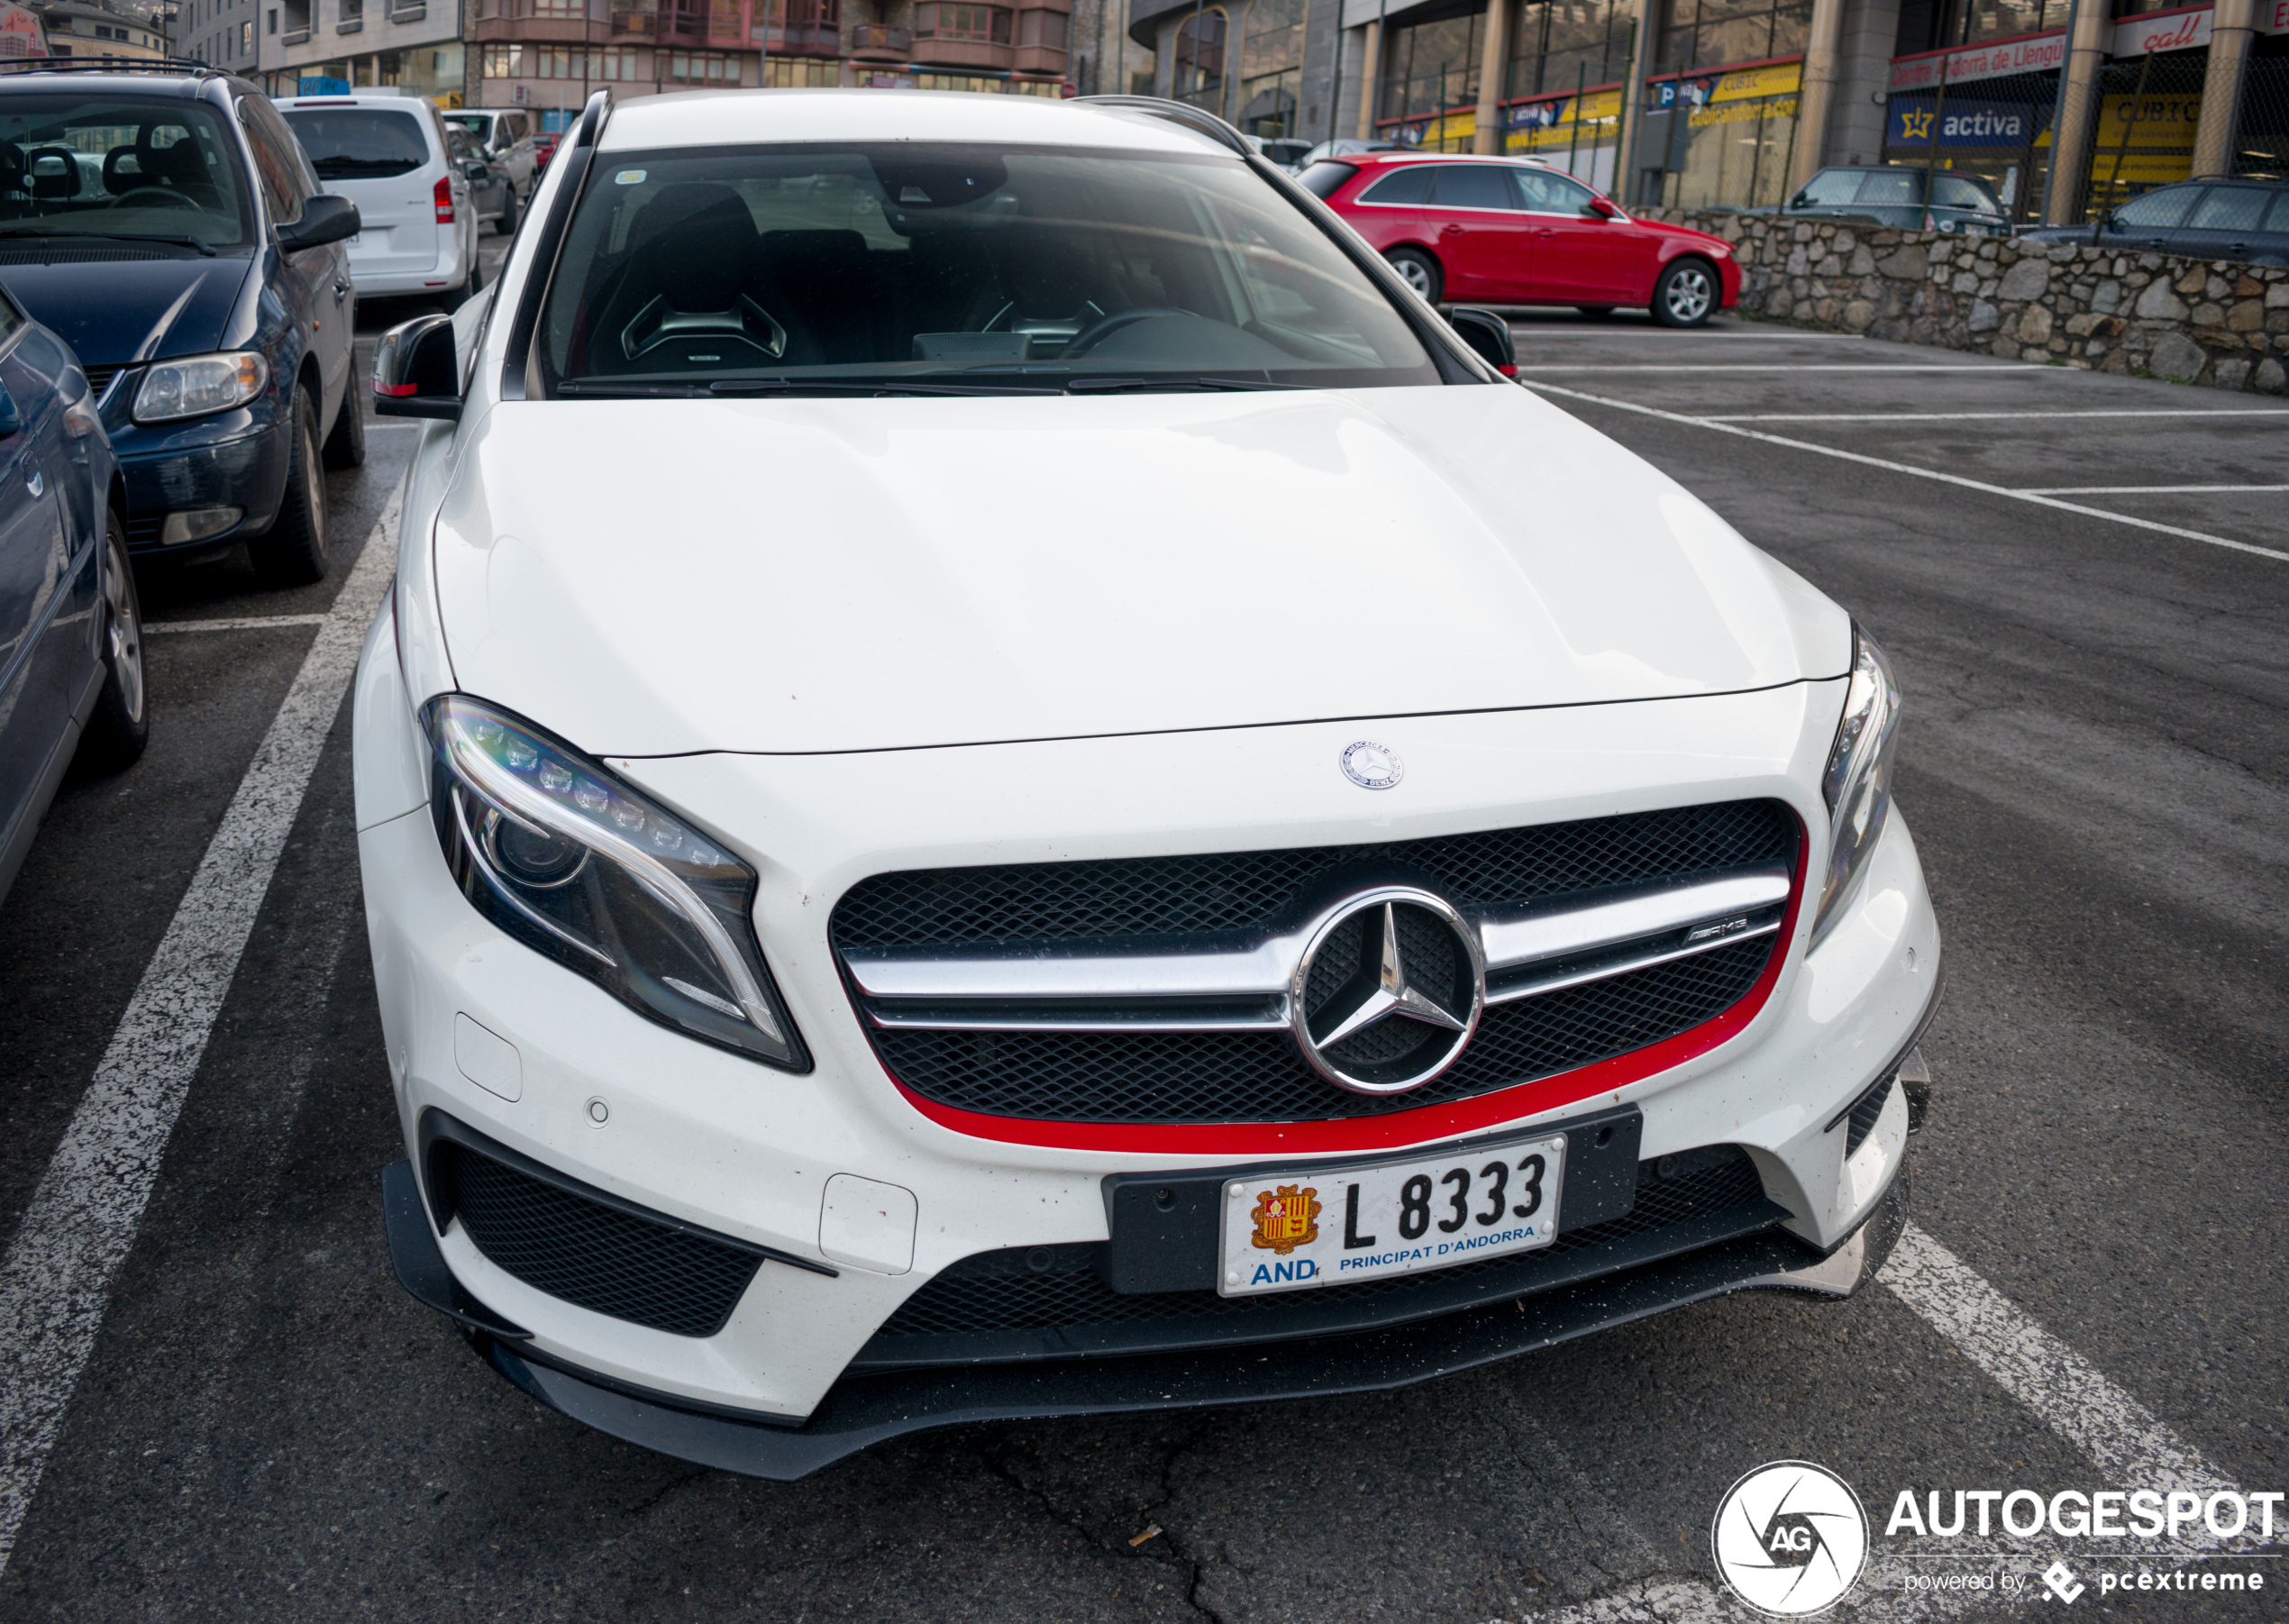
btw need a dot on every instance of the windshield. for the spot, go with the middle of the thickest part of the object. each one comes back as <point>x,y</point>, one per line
<point>88,166</point>
<point>957,267</point>
<point>479,124</point>
<point>359,143</point>
<point>1964,192</point>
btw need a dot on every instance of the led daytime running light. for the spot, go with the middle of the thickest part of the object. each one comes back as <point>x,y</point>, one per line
<point>507,769</point>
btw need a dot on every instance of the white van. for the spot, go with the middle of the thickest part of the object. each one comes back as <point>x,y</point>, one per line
<point>386,153</point>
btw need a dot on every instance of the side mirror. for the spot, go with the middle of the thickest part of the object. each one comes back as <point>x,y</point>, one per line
<point>1604,208</point>
<point>10,419</point>
<point>474,169</point>
<point>1800,200</point>
<point>417,370</point>
<point>1488,334</point>
<point>325,218</point>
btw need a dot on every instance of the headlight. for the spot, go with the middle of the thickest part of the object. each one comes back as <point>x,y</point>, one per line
<point>199,384</point>
<point>577,866</point>
<point>1858,785</point>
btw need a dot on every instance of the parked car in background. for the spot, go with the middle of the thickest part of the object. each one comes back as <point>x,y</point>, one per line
<point>1893,195</point>
<point>544,149</point>
<point>490,193</point>
<point>388,154</point>
<point>1346,147</point>
<point>204,284</point>
<point>1288,154</point>
<point>2204,219</point>
<point>71,635</point>
<point>1513,232</point>
<point>507,135</point>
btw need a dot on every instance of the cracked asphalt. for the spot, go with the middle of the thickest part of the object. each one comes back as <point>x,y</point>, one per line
<point>2096,745</point>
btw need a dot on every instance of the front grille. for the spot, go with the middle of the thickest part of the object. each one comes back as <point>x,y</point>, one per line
<point>99,379</point>
<point>1261,1076</point>
<point>1231,1076</point>
<point>143,529</point>
<point>593,1255</point>
<point>1049,1288</point>
<point>1253,890</point>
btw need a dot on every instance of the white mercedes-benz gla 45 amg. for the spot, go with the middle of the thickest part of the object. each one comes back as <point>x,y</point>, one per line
<point>1002,781</point>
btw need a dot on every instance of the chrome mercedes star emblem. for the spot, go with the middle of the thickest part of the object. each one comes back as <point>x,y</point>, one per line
<point>1372,766</point>
<point>1390,987</point>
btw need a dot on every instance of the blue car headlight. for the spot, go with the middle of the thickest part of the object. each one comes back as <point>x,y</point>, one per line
<point>193,386</point>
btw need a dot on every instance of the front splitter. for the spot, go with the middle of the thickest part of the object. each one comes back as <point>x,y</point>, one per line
<point>861,1411</point>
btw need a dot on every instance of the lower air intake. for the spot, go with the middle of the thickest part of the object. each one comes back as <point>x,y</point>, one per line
<point>593,1255</point>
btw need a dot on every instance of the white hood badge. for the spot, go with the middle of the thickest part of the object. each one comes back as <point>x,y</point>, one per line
<point>1372,766</point>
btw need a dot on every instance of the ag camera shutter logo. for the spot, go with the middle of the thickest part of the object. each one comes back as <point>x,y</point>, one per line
<point>1789,1538</point>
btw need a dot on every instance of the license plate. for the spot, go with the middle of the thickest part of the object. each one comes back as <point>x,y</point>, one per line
<point>1293,1231</point>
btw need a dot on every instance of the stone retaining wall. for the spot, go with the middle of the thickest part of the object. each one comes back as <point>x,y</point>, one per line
<point>2150,315</point>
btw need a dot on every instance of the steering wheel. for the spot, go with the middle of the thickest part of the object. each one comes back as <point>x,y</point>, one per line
<point>1105,327</point>
<point>166,198</point>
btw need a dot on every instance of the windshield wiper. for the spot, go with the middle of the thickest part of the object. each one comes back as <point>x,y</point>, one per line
<point>205,247</point>
<point>1170,381</point>
<point>753,388</point>
<point>782,386</point>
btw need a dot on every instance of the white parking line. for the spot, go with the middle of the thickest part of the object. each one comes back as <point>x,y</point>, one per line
<point>1905,468</point>
<point>2066,1391</point>
<point>2143,491</point>
<point>1803,366</point>
<point>82,1219</point>
<point>2063,1390</point>
<point>1991,417</point>
<point>243,623</point>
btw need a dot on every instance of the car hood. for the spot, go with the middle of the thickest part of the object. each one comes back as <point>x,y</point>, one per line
<point>651,578</point>
<point>112,312</point>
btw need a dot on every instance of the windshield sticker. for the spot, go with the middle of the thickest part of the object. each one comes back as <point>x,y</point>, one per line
<point>628,178</point>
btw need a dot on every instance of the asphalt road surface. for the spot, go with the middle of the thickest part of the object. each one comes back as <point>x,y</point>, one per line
<point>2090,1295</point>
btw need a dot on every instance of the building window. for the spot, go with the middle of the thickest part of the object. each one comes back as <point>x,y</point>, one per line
<point>559,9</point>
<point>950,20</point>
<point>1706,34</point>
<point>274,20</point>
<point>504,61</point>
<point>1045,29</point>
<point>595,65</point>
<point>702,68</point>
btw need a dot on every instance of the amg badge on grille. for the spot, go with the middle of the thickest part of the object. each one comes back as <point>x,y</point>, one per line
<point>1372,766</point>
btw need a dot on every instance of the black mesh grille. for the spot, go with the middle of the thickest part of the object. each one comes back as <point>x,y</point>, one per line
<point>1862,1121</point>
<point>593,1255</point>
<point>1260,1077</point>
<point>999,1292</point>
<point>143,528</point>
<point>1252,891</point>
<point>99,379</point>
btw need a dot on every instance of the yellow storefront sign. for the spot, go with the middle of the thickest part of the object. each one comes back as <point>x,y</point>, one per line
<point>2153,136</point>
<point>1584,120</point>
<point>1774,79</point>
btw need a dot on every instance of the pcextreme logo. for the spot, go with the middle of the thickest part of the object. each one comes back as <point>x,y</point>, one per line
<point>1789,1538</point>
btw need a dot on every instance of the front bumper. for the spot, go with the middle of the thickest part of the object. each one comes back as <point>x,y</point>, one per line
<point>866,1408</point>
<point>706,1139</point>
<point>236,459</point>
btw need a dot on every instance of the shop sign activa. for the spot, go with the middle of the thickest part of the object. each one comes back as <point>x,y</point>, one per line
<point>1963,123</point>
